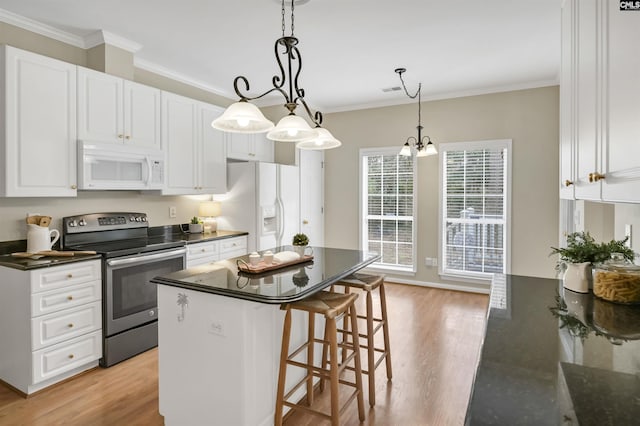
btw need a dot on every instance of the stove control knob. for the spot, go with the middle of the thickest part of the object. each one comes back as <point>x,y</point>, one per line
<point>82,222</point>
<point>132,219</point>
<point>144,218</point>
<point>138,219</point>
<point>72,223</point>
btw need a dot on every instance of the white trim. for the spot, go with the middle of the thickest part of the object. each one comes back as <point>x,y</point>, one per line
<point>382,269</point>
<point>486,144</point>
<point>40,28</point>
<point>104,37</point>
<point>181,78</point>
<point>470,288</point>
<point>447,95</point>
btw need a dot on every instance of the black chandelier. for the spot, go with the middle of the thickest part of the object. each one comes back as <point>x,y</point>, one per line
<point>421,148</point>
<point>244,117</point>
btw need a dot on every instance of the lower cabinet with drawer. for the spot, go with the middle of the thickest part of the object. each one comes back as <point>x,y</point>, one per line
<point>50,323</point>
<point>211,251</point>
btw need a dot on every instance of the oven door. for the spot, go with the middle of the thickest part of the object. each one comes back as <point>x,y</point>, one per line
<point>130,298</point>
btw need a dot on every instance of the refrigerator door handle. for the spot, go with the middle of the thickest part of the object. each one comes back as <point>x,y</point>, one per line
<point>280,220</point>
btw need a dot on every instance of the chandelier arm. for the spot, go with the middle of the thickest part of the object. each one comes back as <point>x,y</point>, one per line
<point>315,117</point>
<point>404,86</point>
<point>412,139</point>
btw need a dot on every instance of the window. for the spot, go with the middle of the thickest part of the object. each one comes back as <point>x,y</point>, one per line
<point>475,200</point>
<point>387,188</point>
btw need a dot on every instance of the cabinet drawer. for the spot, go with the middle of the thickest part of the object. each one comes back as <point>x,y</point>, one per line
<point>68,297</point>
<point>65,275</point>
<point>57,359</point>
<point>200,250</point>
<point>54,328</point>
<point>233,245</point>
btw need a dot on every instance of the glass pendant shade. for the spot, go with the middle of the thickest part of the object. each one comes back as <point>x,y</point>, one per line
<point>430,149</point>
<point>406,150</point>
<point>291,128</point>
<point>242,117</point>
<point>324,140</point>
<point>422,152</point>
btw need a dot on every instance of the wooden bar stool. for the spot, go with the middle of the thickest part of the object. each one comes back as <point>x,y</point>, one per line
<point>331,305</point>
<point>369,283</point>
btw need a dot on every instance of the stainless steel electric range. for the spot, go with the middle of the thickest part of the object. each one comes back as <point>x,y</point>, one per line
<point>130,259</point>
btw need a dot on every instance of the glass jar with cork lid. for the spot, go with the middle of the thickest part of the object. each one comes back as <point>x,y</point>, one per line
<point>617,280</point>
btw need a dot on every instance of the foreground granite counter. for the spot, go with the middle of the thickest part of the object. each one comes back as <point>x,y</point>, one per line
<point>554,357</point>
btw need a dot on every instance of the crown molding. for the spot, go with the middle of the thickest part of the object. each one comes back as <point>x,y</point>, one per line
<point>104,37</point>
<point>40,28</point>
<point>173,75</point>
<point>447,95</point>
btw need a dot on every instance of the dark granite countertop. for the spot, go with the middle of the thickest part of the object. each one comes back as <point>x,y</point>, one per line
<point>169,233</point>
<point>287,284</point>
<point>554,357</point>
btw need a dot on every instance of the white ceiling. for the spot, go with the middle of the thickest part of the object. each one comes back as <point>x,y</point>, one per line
<point>350,48</point>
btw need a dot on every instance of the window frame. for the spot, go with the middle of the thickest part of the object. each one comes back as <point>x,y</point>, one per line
<point>363,201</point>
<point>470,276</point>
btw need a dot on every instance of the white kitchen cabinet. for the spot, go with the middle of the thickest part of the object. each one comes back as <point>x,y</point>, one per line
<point>567,100</point>
<point>600,102</point>
<point>250,147</point>
<point>38,138</point>
<point>211,251</point>
<point>111,109</point>
<point>54,323</point>
<point>202,253</point>
<point>195,152</point>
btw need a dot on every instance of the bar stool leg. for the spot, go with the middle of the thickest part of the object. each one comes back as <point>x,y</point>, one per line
<point>371,352</point>
<point>284,354</point>
<point>358,364</point>
<point>311,337</point>
<point>385,330</point>
<point>345,327</point>
<point>333,353</point>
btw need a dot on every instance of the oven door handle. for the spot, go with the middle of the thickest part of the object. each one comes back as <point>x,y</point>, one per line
<point>146,258</point>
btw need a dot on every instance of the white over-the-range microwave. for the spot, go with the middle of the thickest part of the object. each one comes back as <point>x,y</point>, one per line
<point>112,166</point>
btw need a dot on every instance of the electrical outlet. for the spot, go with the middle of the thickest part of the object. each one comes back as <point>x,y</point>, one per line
<point>172,212</point>
<point>217,328</point>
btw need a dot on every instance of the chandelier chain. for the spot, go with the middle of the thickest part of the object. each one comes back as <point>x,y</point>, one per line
<point>283,27</point>
<point>292,17</point>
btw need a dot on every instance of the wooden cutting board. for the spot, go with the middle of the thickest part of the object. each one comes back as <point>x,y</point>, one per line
<point>51,253</point>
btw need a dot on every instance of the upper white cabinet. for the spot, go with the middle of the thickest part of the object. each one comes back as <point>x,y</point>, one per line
<point>38,139</point>
<point>111,109</point>
<point>600,102</point>
<point>195,152</point>
<point>250,147</point>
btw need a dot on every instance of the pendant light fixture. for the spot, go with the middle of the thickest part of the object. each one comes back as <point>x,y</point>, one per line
<point>244,117</point>
<point>418,144</point>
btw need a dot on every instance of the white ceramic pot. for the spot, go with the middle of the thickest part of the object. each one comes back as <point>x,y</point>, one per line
<point>195,228</point>
<point>39,238</point>
<point>303,250</point>
<point>577,277</point>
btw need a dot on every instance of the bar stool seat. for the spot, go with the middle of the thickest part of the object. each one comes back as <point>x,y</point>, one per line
<point>368,283</point>
<point>332,306</point>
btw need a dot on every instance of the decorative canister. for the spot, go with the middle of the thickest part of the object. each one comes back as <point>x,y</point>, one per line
<point>617,280</point>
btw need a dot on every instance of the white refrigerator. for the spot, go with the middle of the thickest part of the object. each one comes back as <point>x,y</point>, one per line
<point>264,200</point>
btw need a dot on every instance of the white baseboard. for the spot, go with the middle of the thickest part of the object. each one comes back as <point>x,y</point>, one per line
<point>467,287</point>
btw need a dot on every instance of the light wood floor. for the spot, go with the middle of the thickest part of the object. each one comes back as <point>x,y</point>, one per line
<point>435,338</point>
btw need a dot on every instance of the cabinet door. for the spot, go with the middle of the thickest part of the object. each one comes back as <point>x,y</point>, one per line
<point>262,148</point>
<point>212,160</point>
<point>142,115</point>
<point>311,164</point>
<point>567,101</point>
<point>39,139</point>
<point>621,147</point>
<point>588,142</point>
<point>240,146</point>
<point>179,137</point>
<point>100,113</point>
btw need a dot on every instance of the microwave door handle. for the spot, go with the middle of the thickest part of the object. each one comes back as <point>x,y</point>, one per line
<point>149,171</point>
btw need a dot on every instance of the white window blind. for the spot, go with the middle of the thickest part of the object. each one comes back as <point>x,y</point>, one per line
<point>387,194</point>
<point>475,200</point>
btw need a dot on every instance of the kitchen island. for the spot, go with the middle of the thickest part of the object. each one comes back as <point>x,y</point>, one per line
<point>555,357</point>
<point>220,335</point>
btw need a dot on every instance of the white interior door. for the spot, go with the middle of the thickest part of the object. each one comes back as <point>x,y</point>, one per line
<point>312,195</point>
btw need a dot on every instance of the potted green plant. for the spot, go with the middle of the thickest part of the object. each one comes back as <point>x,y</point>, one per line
<point>195,227</point>
<point>300,243</point>
<point>579,256</point>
